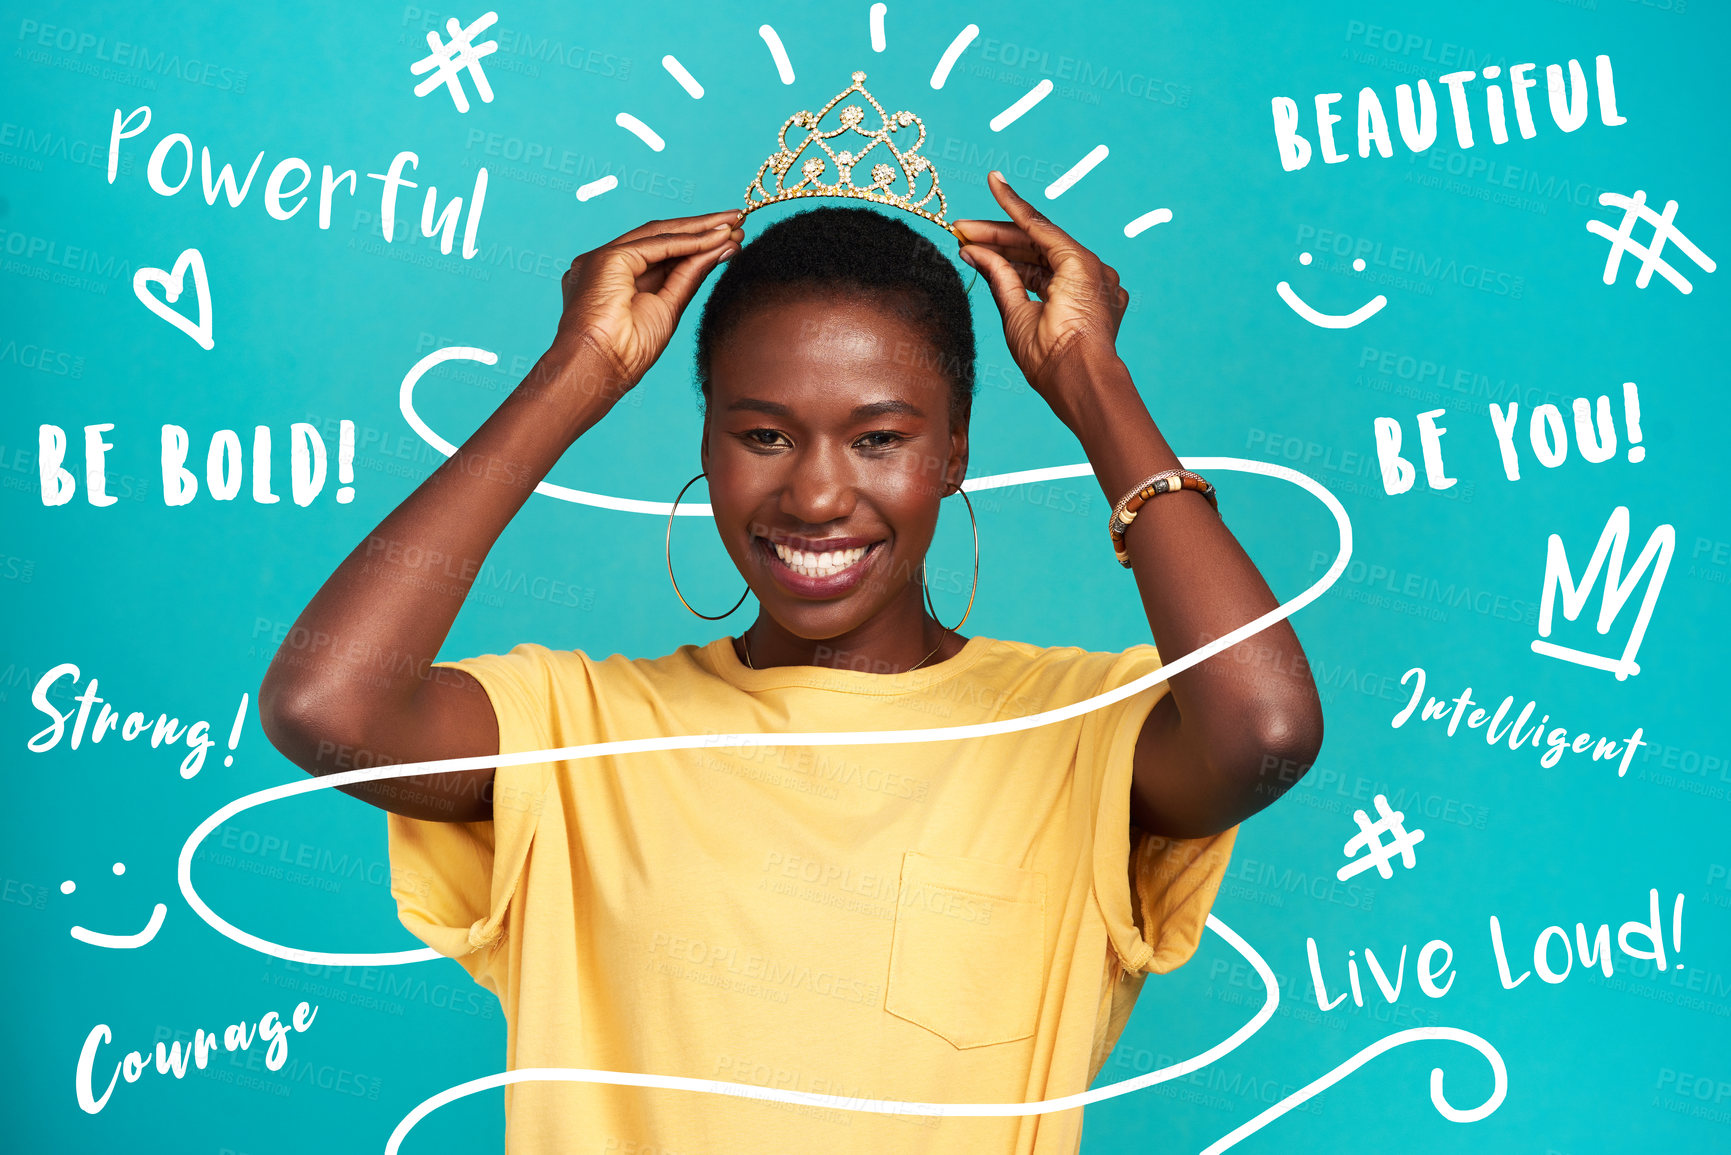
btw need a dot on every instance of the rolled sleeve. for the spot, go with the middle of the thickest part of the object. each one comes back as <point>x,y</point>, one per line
<point>454,881</point>
<point>1154,892</point>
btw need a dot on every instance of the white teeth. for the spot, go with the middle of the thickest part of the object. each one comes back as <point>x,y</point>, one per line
<point>826,564</point>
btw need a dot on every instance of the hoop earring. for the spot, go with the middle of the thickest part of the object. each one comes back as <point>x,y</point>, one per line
<point>674,580</point>
<point>973,524</point>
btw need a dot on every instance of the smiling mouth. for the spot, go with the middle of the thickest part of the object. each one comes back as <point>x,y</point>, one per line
<point>124,941</point>
<point>1329,320</point>
<point>811,571</point>
<point>809,563</point>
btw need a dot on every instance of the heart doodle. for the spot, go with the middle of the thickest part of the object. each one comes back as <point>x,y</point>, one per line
<point>172,285</point>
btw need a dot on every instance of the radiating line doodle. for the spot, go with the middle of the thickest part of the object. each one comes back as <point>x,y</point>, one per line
<point>685,79</point>
<point>1076,172</point>
<point>953,53</point>
<point>640,130</point>
<point>1147,221</point>
<point>596,187</point>
<point>783,66</point>
<point>1026,101</point>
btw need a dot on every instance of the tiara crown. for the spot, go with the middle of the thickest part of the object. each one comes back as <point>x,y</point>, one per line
<point>901,176</point>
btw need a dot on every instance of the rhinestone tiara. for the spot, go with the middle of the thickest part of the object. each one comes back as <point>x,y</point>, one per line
<point>902,168</point>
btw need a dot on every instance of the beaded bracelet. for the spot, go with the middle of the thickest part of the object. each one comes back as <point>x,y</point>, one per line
<point>1166,481</point>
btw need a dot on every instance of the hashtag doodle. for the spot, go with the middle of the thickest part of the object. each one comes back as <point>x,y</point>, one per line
<point>1664,230</point>
<point>1369,840</point>
<point>448,61</point>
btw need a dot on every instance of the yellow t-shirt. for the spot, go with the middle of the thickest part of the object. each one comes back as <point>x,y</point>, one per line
<point>936,922</point>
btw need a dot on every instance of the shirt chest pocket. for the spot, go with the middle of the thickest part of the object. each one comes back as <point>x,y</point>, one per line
<point>969,951</point>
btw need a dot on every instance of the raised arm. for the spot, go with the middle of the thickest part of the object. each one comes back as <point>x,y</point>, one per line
<point>354,685</point>
<point>1232,735</point>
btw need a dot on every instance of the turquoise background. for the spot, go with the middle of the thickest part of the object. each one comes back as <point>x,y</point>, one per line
<point>178,609</point>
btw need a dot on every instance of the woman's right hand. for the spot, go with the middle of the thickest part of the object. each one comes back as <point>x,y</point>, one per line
<point>624,299</point>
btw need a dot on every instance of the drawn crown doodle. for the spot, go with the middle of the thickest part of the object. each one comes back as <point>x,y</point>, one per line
<point>901,176</point>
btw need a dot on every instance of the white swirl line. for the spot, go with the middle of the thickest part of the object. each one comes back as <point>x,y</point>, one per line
<point>1472,1115</point>
<point>744,740</point>
<point>893,737</point>
<point>871,1106</point>
<point>406,402</point>
<point>643,745</point>
<point>938,734</point>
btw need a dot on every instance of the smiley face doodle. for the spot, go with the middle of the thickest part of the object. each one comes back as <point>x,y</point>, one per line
<point>118,941</point>
<point>1330,320</point>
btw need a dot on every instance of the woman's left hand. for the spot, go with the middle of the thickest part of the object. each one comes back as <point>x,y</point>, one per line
<point>1074,323</point>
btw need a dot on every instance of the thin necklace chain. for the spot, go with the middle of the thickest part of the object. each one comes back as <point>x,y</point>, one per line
<point>745,642</point>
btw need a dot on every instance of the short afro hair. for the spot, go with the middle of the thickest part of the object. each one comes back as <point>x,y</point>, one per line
<point>845,251</point>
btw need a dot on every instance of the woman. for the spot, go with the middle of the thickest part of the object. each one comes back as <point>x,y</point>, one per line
<point>960,921</point>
